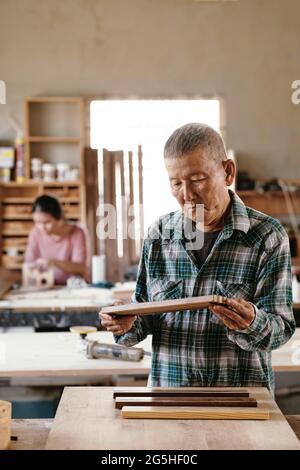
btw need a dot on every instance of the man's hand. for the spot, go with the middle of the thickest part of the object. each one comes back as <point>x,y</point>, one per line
<point>237,316</point>
<point>117,324</point>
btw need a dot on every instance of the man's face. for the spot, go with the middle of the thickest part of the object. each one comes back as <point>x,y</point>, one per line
<point>196,178</point>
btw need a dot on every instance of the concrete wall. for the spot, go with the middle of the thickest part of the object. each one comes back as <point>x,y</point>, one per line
<point>246,51</point>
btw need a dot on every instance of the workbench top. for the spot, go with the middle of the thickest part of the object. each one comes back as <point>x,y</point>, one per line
<point>86,419</point>
<point>57,354</point>
<point>32,434</point>
<point>58,299</point>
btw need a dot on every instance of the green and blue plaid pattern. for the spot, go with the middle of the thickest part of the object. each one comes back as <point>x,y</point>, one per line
<point>250,259</point>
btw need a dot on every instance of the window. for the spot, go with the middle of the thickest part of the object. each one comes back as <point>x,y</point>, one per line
<point>125,124</point>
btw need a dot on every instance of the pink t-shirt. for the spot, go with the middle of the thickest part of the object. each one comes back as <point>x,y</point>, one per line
<point>71,247</point>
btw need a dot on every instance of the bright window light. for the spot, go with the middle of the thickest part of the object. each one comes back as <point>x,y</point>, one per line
<point>125,124</point>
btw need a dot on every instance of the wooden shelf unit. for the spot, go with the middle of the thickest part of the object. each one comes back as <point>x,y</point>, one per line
<point>15,216</point>
<point>54,132</point>
<point>274,203</point>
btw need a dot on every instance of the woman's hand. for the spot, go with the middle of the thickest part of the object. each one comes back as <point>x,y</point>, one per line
<point>44,263</point>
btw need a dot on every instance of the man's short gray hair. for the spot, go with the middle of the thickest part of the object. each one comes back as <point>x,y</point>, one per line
<point>191,136</point>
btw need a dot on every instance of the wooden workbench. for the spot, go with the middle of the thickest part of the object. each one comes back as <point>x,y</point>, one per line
<point>286,358</point>
<point>78,424</point>
<point>60,307</point>
<point>32,434</point>
<point>57,354</point>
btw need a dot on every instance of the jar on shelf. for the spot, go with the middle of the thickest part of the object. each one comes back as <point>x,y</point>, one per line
<point>48,170</point>
<point>36,168</point>
<point>62,171</point>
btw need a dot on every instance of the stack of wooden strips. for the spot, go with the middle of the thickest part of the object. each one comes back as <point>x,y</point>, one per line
<point>188,403</point>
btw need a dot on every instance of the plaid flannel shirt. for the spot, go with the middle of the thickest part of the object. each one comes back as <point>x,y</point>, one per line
<point>250,259</point>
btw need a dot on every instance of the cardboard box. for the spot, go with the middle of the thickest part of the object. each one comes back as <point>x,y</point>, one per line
<point>7,157</point>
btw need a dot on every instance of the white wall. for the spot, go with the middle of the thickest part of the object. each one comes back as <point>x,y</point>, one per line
<point>246,51</point>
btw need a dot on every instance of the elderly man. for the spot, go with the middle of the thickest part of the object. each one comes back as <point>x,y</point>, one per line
<point>245,257</point>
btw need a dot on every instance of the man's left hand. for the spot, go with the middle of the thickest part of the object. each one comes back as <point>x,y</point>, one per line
<point>237,316</point>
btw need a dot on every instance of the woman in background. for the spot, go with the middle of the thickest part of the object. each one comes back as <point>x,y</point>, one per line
<point>55,242</point>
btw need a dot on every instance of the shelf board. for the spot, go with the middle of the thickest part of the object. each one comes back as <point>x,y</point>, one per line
<point>30,183</point>
<point>254,193</point>
<point>17,217</point>
<point>61,183</point>
<point>18,200</point>
<point>14,184</point>
<point>20,233</point>
<point>69,200</point>
<point>48,139</point>
<point>54,99</point>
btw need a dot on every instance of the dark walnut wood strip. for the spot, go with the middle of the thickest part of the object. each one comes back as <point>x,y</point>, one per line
<point>185,401</point>
<point>187,392</point>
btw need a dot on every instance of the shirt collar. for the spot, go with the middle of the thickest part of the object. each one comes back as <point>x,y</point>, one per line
<point>237,219</point>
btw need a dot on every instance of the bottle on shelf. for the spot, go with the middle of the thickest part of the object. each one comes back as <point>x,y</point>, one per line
<point>20,159</point>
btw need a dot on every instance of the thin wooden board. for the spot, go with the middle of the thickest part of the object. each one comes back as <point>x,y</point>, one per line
<point>180,412</point>
<point>179,392</point>
<point>86,419</point>
<point>120,402</point>
<point>150,308</point>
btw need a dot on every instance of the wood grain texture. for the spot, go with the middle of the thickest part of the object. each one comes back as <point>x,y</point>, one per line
<point>86,419</point>
<point>180,412</point>
<point>150,308</point>
<point>179,392</point>
<point>5,424</point>
<point>120,402</point>
<point>65,360</point>
<point>32,434</point>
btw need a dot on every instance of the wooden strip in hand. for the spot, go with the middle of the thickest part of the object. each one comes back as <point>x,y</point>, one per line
<point>184,392</point>
<point>164,306</point>
<point>156,412</point>
<point>185,401</point>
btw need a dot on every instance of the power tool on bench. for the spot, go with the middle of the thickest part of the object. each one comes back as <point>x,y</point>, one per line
<point>94,349</point>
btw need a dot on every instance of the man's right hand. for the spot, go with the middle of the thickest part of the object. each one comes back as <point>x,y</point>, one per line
<point>118,325</point>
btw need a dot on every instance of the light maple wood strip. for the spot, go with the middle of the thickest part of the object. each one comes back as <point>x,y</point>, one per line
<point>120,402</point>
<point>150,308</point>
<point>155,412</point>
<point>180,392</point>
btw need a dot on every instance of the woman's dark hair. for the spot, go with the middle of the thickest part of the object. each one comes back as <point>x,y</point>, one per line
<point>48,204</point>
